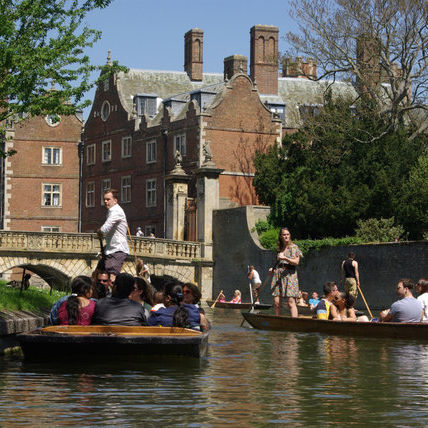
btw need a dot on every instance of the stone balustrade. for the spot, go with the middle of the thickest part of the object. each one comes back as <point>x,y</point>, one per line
<point>87,243</point>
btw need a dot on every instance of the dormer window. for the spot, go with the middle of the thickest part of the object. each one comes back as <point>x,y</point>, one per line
<point>146,104</point>
<point>278,110</point>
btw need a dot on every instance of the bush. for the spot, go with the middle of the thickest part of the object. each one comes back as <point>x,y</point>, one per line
<point>269,240</point>
<point>379,230</point>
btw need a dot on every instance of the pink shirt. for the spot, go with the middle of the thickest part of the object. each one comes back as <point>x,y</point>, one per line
<point>85,314</point>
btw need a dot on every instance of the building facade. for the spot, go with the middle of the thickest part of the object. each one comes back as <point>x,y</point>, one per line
<point>146,124</point>
<point>40,183</point>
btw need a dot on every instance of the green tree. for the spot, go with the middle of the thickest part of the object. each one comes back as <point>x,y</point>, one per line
<point>325,178</point>
<point>43,42</point>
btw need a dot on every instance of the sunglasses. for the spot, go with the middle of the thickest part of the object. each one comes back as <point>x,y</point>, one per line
<point>187,292</point>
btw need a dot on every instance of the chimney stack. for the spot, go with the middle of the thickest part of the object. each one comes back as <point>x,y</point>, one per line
<point>298,68</point>
<point>193,53</point>
<point>235,64</point>
<point>264,58</point>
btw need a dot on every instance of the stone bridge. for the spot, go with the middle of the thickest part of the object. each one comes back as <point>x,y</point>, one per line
<point>59,257</point>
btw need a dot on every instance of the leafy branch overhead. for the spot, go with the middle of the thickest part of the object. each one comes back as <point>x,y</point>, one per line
<point>42,45</point>
<point>379,45</point>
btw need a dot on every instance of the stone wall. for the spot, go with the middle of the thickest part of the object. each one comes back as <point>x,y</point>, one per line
<point>381,265</point>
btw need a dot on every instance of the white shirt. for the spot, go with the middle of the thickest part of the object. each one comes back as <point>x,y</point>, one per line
<point>114,230</point>
<point>423,298</point>
<point>256,278</point>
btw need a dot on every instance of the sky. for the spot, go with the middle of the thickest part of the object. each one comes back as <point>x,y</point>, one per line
<point>149,35</point>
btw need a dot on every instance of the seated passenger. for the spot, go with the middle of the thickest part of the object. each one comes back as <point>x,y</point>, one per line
<point>407,309</point>
<point>119,308</point>
<point>78,308</point>
<point>100,283</point>
<point>176,313</point>
<point>236,297</point>
<point>422,287</point>
<point>192,296</point>
<point>344,303</point>
<point>53,314</point>
<point>222,298</point>
<point>314,300</point>
<point>301,301</point>
<point>325,310</point>
<point>158,299</point>
<point>143,294</point>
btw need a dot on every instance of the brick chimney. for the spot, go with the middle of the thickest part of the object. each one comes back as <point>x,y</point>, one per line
<point>298,68</point>
<point>368,58</point>
<point>235,64</point>
<point>264,58</point>
<point>193,53</point>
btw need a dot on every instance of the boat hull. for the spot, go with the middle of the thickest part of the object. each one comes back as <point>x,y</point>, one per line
<point>86,341</point>
<point>417,331</point>
<point>228,305</point>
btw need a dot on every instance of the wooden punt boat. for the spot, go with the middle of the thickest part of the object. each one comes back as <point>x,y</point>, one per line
<point>347,328</point>
<point>228,305</point>
<point>81,341</point>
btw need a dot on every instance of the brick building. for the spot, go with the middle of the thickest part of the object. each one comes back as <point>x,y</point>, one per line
<point>140,119</point>
<point>40,183</point>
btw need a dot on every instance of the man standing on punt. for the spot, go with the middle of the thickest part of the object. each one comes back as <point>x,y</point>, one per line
<point>407,309</point>
<point>350,275</point>
<point>114,229</point>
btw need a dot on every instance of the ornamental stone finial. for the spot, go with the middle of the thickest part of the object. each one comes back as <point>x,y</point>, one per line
<point>109,57</point>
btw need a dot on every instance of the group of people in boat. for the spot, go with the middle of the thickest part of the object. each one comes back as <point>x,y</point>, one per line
<point>237,297</point>
<point>335,304</point>
<point>130,301</point>
<point>112,297</point>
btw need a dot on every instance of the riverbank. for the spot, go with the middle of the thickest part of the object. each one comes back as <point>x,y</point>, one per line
<point>15,322</point>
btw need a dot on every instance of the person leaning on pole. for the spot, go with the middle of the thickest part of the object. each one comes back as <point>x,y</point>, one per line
<point>115,232</point>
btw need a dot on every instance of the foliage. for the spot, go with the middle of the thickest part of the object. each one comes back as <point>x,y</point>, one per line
<point>381,45</point>
<point>42,43</point>
<point>324,178</point>
<point>33,299</point>
<point>379,230</point>
<point>413,203</point>
<point>269,239</point>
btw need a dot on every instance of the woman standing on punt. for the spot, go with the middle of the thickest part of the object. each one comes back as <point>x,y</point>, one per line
<point>284,281</point>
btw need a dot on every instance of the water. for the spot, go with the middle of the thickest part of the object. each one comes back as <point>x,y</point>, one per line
<point>249,378</point>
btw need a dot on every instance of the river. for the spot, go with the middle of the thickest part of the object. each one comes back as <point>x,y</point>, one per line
<point>249,378</point>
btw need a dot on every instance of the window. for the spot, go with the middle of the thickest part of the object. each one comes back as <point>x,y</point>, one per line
<point>90,154</point>
<point>125,189</point>
<point>106,151</point>
<point>180,144</point>
<point>90,194</point>
<point>52,156</point>
<point>53,120</point>
<point>105,110</point>
<point>51,195</point>
<point>50,229</point>
<point>151,151</point>
<point>105,184</point>
<point>106,85</point>
<point>151,193</point>
<point>126,147</point>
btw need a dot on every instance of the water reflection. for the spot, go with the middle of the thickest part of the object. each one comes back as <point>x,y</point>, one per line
<point>249,377</point>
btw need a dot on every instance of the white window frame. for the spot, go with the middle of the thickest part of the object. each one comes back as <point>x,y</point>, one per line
<point>125,189</point>
<point>90,194</point>
<point>104,187</point>
<point>151,151</point>
<point>105,144</point>
<point>90,154</point>
<point>51,150</point>
<point>151,195</point>
<point>180,144</point>
<point>126,147</point>
<point>52,192</point>
<point>49,229</point>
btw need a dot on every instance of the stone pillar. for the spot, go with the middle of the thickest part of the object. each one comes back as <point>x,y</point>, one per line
<point>207,201</point>
<point>176,184</point>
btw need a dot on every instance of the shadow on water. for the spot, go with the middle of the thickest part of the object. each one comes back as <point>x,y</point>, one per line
<point>249,378</point>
